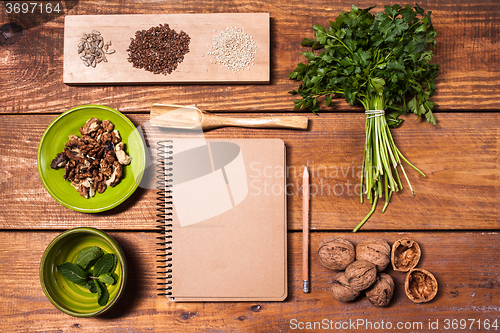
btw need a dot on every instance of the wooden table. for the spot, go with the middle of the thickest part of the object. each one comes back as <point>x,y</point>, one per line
<point>454,217</point>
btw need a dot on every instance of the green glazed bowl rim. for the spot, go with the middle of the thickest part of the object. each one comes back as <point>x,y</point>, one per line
<point>139,165</point>
<point>116,249</point>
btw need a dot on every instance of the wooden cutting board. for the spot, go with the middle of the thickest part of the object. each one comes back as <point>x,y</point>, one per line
<point>197,67</point>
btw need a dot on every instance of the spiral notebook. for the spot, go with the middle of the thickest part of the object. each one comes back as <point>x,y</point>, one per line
<point>222,215</point>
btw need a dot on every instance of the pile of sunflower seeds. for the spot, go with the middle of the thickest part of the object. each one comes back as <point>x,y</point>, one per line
<point>92,49</point>
<point>233,49</point>
<point>159,49</point>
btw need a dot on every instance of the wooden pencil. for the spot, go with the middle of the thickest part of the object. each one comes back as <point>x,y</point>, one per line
<point>305,231</point>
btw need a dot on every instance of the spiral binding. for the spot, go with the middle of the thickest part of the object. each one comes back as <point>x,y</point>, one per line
<point>164,216</point>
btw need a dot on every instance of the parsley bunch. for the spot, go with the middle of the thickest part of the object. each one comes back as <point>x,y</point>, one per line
<point>382,62</point>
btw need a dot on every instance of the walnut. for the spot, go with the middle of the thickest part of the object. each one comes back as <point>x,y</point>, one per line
<point>116,137</point>
<point>59,161</point>
<point>74,154</point>
<point>106,168</point>
<point>405,254</point>
<point>74,142</point>
<point>69,170</point>
<point>107,126</point>
<point>341,290</point>
<point>376,251</point>
<point>381,291</point>
<point>361,274</point>
<point>110,157</point>
<point>101,186</point>
<point>108,146</point>
<point>420,285</point>
<point>115,177</point>
<point>84,187</point>
<point>90,126</point>
<point>105,137</point>
<point>336,253</point>
<point>122,157</point>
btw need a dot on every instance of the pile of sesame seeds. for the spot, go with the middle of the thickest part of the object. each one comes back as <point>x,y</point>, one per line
<point>233,49</point>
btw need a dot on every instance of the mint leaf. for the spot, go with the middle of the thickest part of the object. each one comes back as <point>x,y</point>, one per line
<point>89,256</point>
<point>106,264</point>
<point>102,293</point>
<point>73,273</point>
<point>115,263</point>
<point>106,278</point>
<point>115,277</point>
<point>91,286</point>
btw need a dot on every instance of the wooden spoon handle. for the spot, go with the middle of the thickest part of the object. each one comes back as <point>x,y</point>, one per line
<point>292,122</point>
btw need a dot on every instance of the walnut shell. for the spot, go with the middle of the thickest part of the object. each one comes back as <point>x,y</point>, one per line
<point>420,285</point>
<point>381,291</point>
<point>376,251</point>
<point>405,254</point>
<point>341,290</point>
<point>361,274</point>
<point>336,253</point>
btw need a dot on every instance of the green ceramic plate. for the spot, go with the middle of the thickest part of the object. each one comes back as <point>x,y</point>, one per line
<point>68,297</point>
<point>53,141</point>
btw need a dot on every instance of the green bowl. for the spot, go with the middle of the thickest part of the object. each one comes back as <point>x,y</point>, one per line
<point>56,136</point>
<point>71,298</point>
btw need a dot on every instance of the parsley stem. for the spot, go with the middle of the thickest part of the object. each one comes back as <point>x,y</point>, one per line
<point>341,42</point>
<point>374,205</point>
<point>408,162</point>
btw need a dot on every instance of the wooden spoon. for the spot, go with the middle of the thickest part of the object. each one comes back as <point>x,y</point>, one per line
<point>190,117</point>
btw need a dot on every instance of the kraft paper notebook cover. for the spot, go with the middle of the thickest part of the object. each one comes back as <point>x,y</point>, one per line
<point>223,213</point>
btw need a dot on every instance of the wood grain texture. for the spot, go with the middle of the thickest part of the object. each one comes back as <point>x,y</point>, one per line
<point>466,291</point>
<point>460,158</point>
<point>467,52</point>
<point>197,66</point>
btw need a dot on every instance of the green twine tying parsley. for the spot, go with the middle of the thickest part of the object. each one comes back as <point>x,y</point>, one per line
<point>382,62</point>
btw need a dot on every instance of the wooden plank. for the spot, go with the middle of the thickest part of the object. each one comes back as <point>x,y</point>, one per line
<point>198,66</point>
<point>465,264</point>
<point>460,158</point>
<point>467,51</point>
